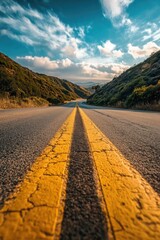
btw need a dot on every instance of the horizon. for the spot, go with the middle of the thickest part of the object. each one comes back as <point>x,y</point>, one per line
<point>66,40</point>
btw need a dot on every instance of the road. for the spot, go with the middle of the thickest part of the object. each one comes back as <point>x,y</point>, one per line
<point>23,135</point>
<point>71,187</point>
<point>25,132</point>
<point>136,134</point>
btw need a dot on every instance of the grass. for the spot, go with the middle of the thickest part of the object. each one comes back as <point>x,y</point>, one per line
<point>14,102</point>
<point>150,107</point>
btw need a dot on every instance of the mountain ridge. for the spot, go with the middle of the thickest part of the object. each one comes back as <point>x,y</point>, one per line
<point>20,82</point>
<point>137,87</point>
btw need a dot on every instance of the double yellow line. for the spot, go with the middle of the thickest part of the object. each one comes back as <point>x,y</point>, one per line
<point>35,210</point>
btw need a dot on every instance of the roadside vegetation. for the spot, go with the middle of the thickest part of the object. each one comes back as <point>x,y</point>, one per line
<point>21,86</point>
<point>138,87</point>
<point>14,102</point>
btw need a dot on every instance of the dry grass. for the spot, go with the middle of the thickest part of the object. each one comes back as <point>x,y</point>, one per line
<point>22,103</point>
<point>150,107</point>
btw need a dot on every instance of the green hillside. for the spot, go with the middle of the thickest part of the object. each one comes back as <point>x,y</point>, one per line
<point>138,87</point>
<point>21,83</point>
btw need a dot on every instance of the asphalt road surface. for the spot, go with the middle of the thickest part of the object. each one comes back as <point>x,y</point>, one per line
<point>24,133</point>
<point>136,134</point>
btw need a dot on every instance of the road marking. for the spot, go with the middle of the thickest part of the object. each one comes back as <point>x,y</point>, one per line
<point>132,205</point>
<point>83,217</point>
<point>32,211</point>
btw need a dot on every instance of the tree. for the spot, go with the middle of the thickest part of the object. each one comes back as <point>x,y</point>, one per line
<point>96,88</point>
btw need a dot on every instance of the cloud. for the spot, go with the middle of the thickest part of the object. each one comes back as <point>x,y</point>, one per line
<point>108,71</point>
<point>152,34</point>
<point>44,63</point>
<point>13,7</point>
<point>72,50</point>
<point>67,69</point>
<point>109,49</point>
<point>21,38</point>
<point>66,62</point>
<point>81,32</point>
<point>145,51</point>
<point>125,21</point>
<point>134,28</point>
<point>118,69</point>
<point>148,31</point>
<point>45,30</point>
<point>95,73</point>
<point>115,10</point>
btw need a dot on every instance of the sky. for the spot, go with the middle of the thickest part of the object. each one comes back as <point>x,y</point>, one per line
<point>79,40</point>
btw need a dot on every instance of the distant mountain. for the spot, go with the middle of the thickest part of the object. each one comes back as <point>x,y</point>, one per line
<point>138,87</point>
<point>20,82</point>
<point>90,84</point>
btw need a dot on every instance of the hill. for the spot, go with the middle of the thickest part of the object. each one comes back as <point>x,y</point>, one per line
<point>17,82</point>
<point>138,87</point>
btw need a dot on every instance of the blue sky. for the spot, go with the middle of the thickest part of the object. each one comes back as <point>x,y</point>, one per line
<point>87,40</point>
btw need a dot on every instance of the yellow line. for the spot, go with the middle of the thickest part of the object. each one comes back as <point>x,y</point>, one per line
<point>32,211</point>
<point>132,204</point>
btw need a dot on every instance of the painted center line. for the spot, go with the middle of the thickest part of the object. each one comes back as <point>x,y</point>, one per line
<point>104,196</point>
<point>83,217</point>
<point>133,207</point>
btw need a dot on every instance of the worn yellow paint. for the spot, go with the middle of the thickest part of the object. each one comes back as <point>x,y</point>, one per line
<point>32,211</point>
<point>133,207</point>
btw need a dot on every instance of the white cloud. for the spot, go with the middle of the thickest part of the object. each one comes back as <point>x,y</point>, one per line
<point>67,69</point>
<point>95,73</point>
<point>66,62</point>
<point>115,10</point>
<point>13,7</point>
<point>44,63</point>
<point>81,32</point>
<point>118,53</point>
<point>152,34</point>
<point>152,25</point>
<point>148,31</point>
<point>72,50</point>
<point>46,30</point>
<point>134,28</point>
<point>109,49</point>
<point>21,38</point>
<point>38,62</point>
<point>118,69</point>
<point>125,21</point>
<point>145,51</point>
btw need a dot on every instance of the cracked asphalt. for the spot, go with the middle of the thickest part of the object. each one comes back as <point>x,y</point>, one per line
<point>81,161</point>
<point>83,217</point>
<point>133,205</point>
<point>135,133</point>
<point>24,133</point>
